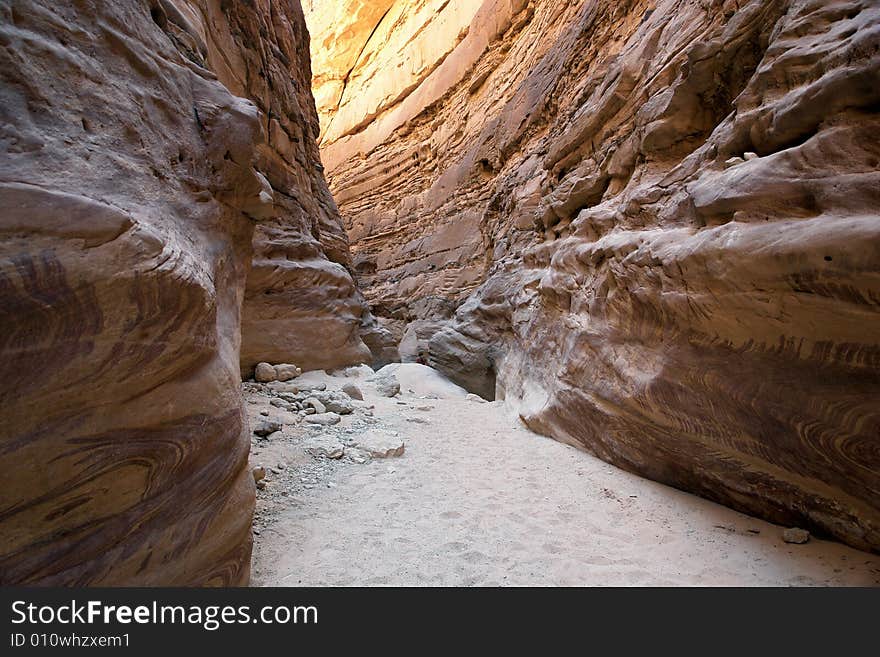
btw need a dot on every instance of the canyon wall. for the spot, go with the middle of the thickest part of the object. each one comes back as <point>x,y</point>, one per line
<point>651,226</point>
<point>301,305</point>
<point>133,173</point>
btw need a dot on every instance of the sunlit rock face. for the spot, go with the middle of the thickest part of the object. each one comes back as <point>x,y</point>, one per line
<point>651,226</point>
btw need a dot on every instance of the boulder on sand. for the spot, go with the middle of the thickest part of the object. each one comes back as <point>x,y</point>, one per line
<point>286,371</point>
<point>264,373</point>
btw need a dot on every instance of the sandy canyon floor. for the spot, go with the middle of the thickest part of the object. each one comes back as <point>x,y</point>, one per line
<point>478,499</point>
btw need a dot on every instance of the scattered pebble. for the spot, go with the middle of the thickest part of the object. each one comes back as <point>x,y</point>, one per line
<point>795,535</point>
<point>353,391</point>
<point>267,428</point>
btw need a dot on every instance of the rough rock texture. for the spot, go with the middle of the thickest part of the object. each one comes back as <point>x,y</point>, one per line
<point>127,209</point>
<point>301,305</point>
<point>549,209</point>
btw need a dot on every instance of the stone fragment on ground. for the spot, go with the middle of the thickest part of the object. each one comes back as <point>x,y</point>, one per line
<point>475,398</point>
<point>795,535</point>
<point>286,371</point>
<point>380,445</point>
<point>267,428</point>
<point>353,391</point>
<point>265,373</point>
<point>315,403</point>
<point>322,445</point>
<point>326,419</point>
<point>357,455</point>
<point>338,402</point>
<point>386,385</point>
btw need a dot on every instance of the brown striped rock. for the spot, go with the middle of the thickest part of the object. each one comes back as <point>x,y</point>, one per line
<point>652,226</point>
<point>131,176</point>
<point>301,305</point>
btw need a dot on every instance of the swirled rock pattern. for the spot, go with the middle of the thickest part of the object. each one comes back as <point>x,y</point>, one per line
<point>652,226</point>
<point>301,305</point>
<point>141,143</point>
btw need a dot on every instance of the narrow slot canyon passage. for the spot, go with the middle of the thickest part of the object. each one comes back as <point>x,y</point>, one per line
<point>439,292</point>
<point>456,182</point>
<point>477,499</point>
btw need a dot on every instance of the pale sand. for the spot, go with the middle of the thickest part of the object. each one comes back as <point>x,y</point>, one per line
<point>479,500</point>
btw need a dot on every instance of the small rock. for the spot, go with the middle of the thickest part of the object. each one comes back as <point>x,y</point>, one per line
<point>287,417</point>
<point>264,413</point>
<point>380,445</point>
<point>316,404</point>
<point>424,408</point>
<point>795,535</point>
<point>281,466</point>
<point>323,446</point>
<point>261,484</point>
<point>286,372</point>
<point>750,156</point>
<point>259,473</point>
<point>387,385</point>
<point>475,398</point>
<point>336,402</point>
<point>732,162</point>
<point>307,411</point>
<point>274,470</point>
<point>357,455</point>
<point>324,418</point>
<point>266,428</point>
<point>418,420</point>
<point>265,373</point>
<point>353,391</point>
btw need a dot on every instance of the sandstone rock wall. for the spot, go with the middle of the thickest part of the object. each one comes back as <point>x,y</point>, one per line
<point>301,305</point>
<point>133,171</point>
<point>650,225</point>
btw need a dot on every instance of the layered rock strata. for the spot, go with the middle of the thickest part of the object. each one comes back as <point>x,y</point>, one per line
<point>133,171</point>
<point>651,226</point>
<point>301,305</point>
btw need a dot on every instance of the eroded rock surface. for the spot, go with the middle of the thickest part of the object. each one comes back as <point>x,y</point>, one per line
<point>133,171</point>
<point>301,305</point>
<point>652,226</point>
